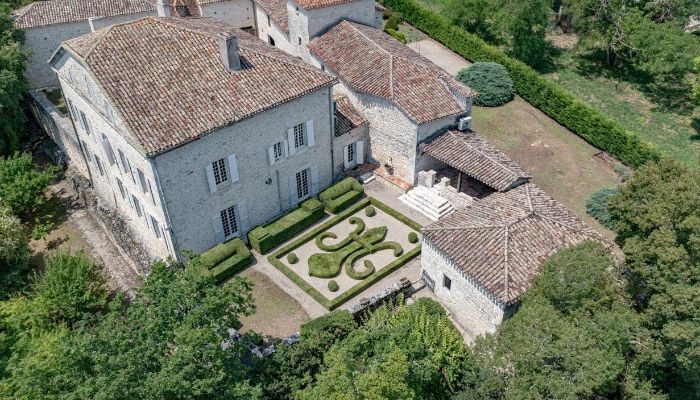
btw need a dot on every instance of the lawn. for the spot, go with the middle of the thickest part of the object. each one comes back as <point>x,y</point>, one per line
<point>348,253</point>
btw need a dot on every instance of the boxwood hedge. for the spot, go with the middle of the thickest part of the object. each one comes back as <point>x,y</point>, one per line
<point>595,127</point>
<point>224,260</point>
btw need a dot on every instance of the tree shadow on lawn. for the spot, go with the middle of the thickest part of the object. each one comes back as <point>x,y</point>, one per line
<point>695,124</point>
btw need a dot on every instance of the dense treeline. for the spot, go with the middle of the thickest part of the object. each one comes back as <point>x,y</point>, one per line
<point>13,83</point>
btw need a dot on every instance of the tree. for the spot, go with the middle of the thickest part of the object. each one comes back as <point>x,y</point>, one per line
<point>491,80</point>
<point>476,16</point>
<point>22,185</point>
<point>14,253</point>
<point>13,83</point>
<point>657,220</point>
<point>696,83</point>
<point>525,23</point>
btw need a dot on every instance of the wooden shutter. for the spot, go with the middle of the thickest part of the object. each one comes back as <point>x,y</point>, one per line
<point>314,179</point>
<point>119,162</point>
<point>285,148</point>
<point>346,162</point>
<point>360,152</point>
<point>310,137</point>
<point>293,198</point>
<point>218,228</point>
<point>210,178</point>
<point>271,154</point>
<point>290,140</point>
<point>242,209</point>
<point>233,168</point>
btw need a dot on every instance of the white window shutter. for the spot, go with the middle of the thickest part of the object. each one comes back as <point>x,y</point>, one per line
<point>233,168</point>
<point>242,209</point>
<point>346,162</point>
<point>310,137</point>
<point>271,155</point>
<point>218,228</point>
<point>119,163</point>
<point>290,140</point>
<point>285,148</point>
<point>210,178</point>
<point>360,152</point>
<point>148,222</point>
<point>293,198</point>
<point>135,176</point>
<point>314,179</point>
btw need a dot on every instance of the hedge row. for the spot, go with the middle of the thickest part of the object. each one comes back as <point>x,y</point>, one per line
<point>226,259</point>
<point>266,237</point>
<point>555,101</point>
<point>341,195</point>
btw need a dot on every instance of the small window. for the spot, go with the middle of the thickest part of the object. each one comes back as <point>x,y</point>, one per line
<point>299,40</point>
<point>125,163</point>
<point>446,282</point>
<point>303,183</point>
<point>278,150</point>
<point>351,153</point>
<point>137,206</point>
<point>121,188</point>
<point>228,220</point>
<point>85,123</point>
<point>108,150</point>
<point>269,23</point>
<point>156,227</point>
<point>299,136</point>
<point>142,181</point>
<point>183,11</point>
<point>220,175</point>
<point>99,165</point>
<point>323,67</point>
<point>270,40</point>
<point>150,189</point>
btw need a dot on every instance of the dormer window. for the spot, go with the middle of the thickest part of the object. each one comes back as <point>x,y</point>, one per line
<point>183,11</point>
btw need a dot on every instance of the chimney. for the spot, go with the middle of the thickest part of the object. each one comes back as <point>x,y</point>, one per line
<point>228,52</point>
<point>163,8</point>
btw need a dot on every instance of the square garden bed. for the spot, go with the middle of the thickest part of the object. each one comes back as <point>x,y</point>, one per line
<point>354,249</point>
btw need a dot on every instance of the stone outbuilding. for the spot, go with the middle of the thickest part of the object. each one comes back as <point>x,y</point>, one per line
<point>480,260</point>
<point>351,144</point>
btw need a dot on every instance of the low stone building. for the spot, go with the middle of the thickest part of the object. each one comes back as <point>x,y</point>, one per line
<point>48,23</point>
<point>351,144</point>
<point>406,98</point>
<point>480,260</point>
<point>193,130</point>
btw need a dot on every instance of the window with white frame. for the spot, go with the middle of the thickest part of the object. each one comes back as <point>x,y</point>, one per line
<point>278,150</point>
<point>142,181</point>
<point>220,175</point>
<point>121,188</point>
<point>85,123</point>
<point>108,150</point>
<point>137,206</point>
<point>99,165</point>
<point>303,183</point>
<point>299,136</point>
<point>156,227</point>
<point>351,153</point>
<point>125,163</point>
<point>228,221</point>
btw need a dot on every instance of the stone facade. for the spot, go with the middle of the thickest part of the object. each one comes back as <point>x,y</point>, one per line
<point>272,30</point>
<point>474,308</point>
<point>263,190</point>
<point>239,13</point>
<point>359,136</point>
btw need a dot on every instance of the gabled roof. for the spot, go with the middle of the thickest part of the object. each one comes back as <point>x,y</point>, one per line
<point>347,117</point>
<point>277,10</point>
<point>502,240</point>
<point>370,61</point>
<point>473,155</point>
<point>166,79</point>
<point>314,4</point>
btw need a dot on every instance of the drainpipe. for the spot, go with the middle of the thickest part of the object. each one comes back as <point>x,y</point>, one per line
<point>279,190</point>
<point>176,248</point>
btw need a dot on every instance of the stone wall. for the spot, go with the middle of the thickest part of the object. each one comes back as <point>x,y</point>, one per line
<point>263,189</point>
<point>273,30</point>
<point>239,13</point>
<point>340,144</point>
<point>474,308</point>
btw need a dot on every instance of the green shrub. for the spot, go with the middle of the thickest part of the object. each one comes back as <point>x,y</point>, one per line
<point>325,265</point>
<point>367,270</point>
<point>266,237</point>
<point>341,195</point>
<point>333,286</point>
<point>223,261</point>
<point>413,237</point>
<point>391,24</point>
<point>492,82</point>
<point>396,35</point>
<point>597,205</point>
<point>595,127</point>
<point>292,258</point>
<point>370,211</point>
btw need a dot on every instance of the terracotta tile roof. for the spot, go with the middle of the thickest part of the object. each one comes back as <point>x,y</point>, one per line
<point>165,77</point>
<point>347,117</point>
<point>502,240</point>
<point>313,4</point>
<point>277,10</point>
<point>370,61</point>
<point>54,12</point>
<point>474,156</point>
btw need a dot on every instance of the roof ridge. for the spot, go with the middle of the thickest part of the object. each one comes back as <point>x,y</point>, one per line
<point>463,228</point>
<point>107,30</point>
<point>527,196</point>
<point>500,164</point>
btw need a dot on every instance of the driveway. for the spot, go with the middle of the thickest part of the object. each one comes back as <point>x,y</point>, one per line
<point>440,55</point>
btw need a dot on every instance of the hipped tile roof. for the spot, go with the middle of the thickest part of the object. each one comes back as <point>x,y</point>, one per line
<point>166,78</point>
<point>370,61</point>
<point>314,4</point>
<point>474,156</point>
<point>277,10</point>
<point>502,240</point>
<point>347,117</point>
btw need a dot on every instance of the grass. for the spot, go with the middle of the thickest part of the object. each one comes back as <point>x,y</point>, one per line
<point>56,97</point>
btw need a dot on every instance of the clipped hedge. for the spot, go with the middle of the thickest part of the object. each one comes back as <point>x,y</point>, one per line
<point>341,195</point>
<point>333,286</point>
<point>594,126</point>
<point>396,35</point>
<point>266,237</point>
<point>224,260</point>
<point>492,82</point>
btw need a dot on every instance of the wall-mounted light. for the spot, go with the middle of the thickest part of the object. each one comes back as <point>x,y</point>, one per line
<point>268,181</point>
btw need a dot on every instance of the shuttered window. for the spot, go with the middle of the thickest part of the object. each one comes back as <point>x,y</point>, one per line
<point>228,220</point>
<point>299,136</point>
<point>220,171</point>
<point>303,183</point>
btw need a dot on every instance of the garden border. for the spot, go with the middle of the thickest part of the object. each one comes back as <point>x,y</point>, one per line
<point>274,258</point>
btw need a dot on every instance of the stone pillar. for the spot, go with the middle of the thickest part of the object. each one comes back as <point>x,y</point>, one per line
<point>426,178</point>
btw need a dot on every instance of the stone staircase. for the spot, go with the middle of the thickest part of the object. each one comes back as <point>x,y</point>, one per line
<point>428,202</point>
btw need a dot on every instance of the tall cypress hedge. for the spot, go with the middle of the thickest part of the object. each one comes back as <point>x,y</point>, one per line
<point>555,101</point>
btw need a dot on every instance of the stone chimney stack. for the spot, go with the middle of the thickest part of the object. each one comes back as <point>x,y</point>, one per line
<point>163,8</point>
<point>228,51</point>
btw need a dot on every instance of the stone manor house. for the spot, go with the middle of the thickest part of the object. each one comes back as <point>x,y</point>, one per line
<point>198,120</point>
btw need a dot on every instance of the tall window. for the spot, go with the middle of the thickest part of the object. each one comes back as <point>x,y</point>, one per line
<point>85,123</point>
<point>99,165</point>
<point>446,282</point>
<point>299,136</point>
<point>142,180</point>
<point>268,21</point>
<point>156,227</point>
<point>228,220</point>
<point>270,40</point>
<point>137,205</point>
<point>125,163</point>
<point>351,153</point>
<point>277,149</point>
<point>121,188</point>
<point>303,183</point>
<point>220,171</point>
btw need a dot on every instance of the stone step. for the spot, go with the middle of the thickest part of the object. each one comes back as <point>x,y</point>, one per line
<point>428,202</point>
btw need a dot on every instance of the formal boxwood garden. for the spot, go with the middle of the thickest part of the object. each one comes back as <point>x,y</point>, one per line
<point>341,195</point>
<point>335,255</point>
<point>224,260</point>
<point>592,125</point>
<point>266,237</point>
